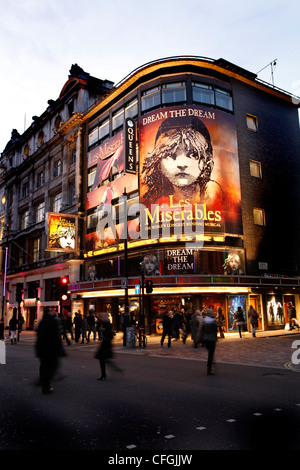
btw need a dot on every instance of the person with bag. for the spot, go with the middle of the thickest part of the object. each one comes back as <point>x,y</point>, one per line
<point>253,318</point>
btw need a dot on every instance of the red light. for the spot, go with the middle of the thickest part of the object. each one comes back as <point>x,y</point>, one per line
<point>64,280</point>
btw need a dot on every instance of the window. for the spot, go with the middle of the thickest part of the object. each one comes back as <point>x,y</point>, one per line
<point>93,136</point>
<point>71,194</point>
<point>255,169</point>
<point>203,93</point>
<point>73,156</point>
<point>104,129</point>
<point>40,212</point>
<point>57,202</point>
<point>40,179</point>
<point>173,93</point>
<point>41,138</point>
<point>57,168</point>
<point>151,98</point>
<point>118,119</point>
<point>252,122</point>
<point>57,122</point>
<point>26,151</point>
<point>36,250</point>
<point>25,220</point>
<point>91,177</point>
<point>223,99</point>
<point>259,217</point>
<point>131,109</point>
<point>25,189</point>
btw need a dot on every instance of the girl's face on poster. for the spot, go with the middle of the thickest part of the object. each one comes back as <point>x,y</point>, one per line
<point>180,169</point>
<point>66,239</point>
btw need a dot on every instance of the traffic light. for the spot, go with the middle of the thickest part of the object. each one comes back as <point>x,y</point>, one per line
<point>64,281</point>
<point>148,286</point>
<point>19,292</point>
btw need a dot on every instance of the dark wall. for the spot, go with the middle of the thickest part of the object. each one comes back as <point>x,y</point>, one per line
<point>276,146</point>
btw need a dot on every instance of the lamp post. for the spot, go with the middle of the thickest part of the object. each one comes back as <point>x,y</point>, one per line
<point>126,305</point>
<point>4,288</point>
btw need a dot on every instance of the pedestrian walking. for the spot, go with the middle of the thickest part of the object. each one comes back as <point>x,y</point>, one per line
<point>220,318</point>
<point>167,328</point>
<point>77,326</point>
<point>91,325</point>
<point>83,329</point>
<point>195,325</point>
<point>104,353</point>
<point>208,336</point>
<point>49,349</point>
<point>13,327</point>
<point>291,313</point>
<point>176,324</point>
<point>240,320</point>
<point>253,319</point>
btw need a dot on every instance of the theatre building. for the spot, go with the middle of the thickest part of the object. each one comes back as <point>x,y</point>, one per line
<point>192,183</point>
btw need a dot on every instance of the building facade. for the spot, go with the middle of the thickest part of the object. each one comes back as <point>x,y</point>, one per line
<point>185,179</point>
<point>41,175</point>
<point>212,206</point>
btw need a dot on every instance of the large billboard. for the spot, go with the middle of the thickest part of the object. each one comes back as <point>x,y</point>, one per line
<point>189,169</point>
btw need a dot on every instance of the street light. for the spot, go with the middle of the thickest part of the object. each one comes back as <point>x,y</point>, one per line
<point>6,233</point>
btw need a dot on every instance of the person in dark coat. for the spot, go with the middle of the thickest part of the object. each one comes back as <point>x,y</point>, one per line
<point>240,320</point>
<point>13,327</point>
<point>48,349</point>
<point>77,325</point>
<point>167,328</point>
<point>208,335</point>
<point>104,352</point>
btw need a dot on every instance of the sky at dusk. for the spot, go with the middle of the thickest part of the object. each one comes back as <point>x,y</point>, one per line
<point>41,39</point>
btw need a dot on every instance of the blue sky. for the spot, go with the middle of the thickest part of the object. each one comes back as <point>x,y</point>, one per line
<point>41,39</point>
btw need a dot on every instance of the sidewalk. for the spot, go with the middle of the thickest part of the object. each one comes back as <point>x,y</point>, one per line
<point>269,348</point>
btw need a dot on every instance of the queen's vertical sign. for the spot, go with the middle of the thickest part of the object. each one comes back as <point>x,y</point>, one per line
<point>130,146</point>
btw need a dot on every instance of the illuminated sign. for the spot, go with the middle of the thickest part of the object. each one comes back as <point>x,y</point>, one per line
<point>130,143</point>
<point>61,232</point>
<point>189,169</point>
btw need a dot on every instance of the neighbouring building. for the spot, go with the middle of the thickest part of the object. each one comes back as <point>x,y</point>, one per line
<point>41,189</point>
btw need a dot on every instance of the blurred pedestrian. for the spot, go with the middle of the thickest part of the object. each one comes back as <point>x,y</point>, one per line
<point>220,321</point>
<point>48,349</point>
<point>91,325</point>
<point>13,327</point>
<point>77,326</point>
<point>291,313</point>
<point>253,318</point>
<point>83,329</point>
<point>176,324</point>
<point>240,320</point>
<point>208,336</point>
<point>167,328</point>
<point>104,353</point>
<point>195,325</point>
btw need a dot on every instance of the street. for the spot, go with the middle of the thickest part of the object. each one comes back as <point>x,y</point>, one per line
<point>161,401</point>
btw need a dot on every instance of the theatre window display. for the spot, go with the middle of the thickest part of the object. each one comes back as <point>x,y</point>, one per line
<point>182,190</point>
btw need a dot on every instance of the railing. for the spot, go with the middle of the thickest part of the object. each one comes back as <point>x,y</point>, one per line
<point>189,280</point>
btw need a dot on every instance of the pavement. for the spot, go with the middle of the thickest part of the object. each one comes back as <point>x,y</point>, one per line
<point>276,349</point>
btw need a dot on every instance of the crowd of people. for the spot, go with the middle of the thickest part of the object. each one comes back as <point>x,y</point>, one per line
<point>203,326</point>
